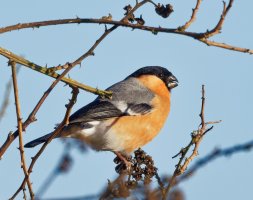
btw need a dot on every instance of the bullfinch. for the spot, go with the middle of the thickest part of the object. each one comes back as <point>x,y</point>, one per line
<point>131,118</point>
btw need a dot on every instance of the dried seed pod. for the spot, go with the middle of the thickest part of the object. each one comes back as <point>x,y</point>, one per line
<point>164,11</point>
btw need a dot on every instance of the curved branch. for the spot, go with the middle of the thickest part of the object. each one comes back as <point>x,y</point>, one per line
<point>217,29</point>
<point>193,17</point>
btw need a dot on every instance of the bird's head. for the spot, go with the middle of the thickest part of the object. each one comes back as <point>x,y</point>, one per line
<point>162,73</point>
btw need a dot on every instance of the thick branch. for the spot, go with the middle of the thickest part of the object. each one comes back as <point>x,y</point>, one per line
<point>18,59</point>
<point>202,37</point>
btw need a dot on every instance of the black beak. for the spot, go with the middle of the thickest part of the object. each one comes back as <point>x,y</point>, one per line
<point>172,82</point>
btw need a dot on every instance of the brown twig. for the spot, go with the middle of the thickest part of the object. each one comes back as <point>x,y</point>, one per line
<point>196,139</point>
<point>202,112</point>
<point>217,29</point>
<point>20,129</point>
<point>54,134</point>
<point>225,46</point>
<point>193,17</point>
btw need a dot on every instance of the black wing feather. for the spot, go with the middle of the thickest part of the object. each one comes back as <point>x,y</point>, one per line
<point>140,109</point>
<point>99,110</point>
<point>96,110</point>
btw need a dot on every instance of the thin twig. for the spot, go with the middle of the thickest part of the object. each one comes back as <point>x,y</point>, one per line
<point>196,139</point>
<point>225,46</point>
<point>20,129</point>
<point>193,17</point>
<point>202,112</point>
<point>54,134</point>
<point>217,29</point>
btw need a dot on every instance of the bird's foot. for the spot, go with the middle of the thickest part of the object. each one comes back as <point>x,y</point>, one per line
<point>124,162</point>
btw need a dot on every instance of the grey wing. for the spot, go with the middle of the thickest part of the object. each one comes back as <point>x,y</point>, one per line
<point>95,111</point>
<point>128,98</point>
<point>131,91</point>
<point>101,110</point>
<point>139,109</point>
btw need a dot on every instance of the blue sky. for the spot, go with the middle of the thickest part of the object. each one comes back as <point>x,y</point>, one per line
<point>227,76</point>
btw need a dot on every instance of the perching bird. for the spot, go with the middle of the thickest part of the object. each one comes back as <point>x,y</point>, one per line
<point>133,116</point>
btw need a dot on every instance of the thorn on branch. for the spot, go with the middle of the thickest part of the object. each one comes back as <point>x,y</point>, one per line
<point>108,17</point>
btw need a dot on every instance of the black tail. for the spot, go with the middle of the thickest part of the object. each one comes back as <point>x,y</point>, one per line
<point>38,141</point>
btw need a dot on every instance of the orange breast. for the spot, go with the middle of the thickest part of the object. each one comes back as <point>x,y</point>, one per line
<point>133,132</point>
